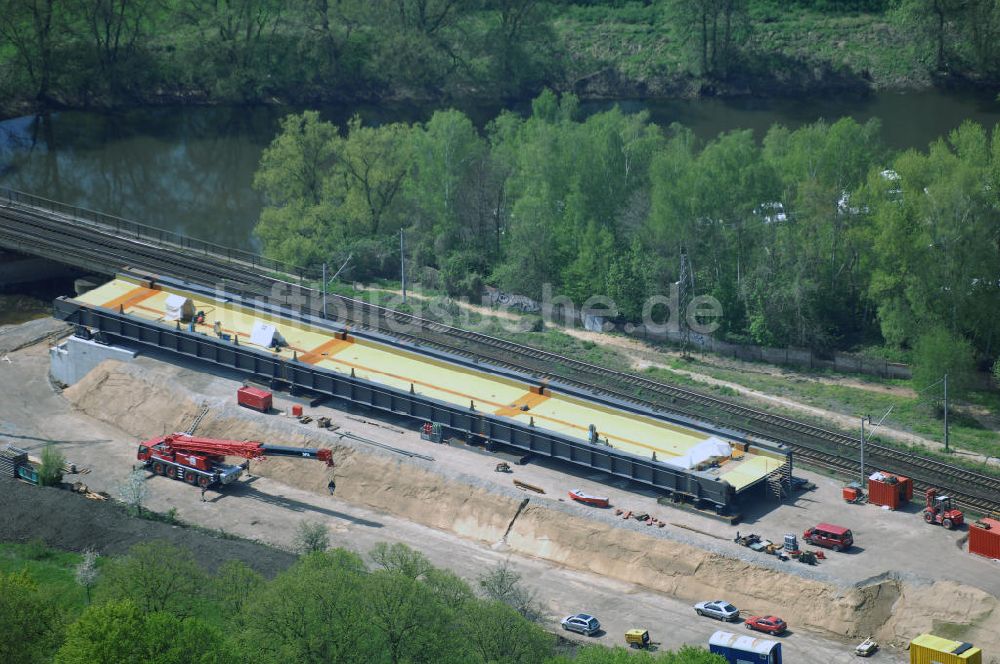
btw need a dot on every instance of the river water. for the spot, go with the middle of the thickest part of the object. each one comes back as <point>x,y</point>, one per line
<point>190,170</point>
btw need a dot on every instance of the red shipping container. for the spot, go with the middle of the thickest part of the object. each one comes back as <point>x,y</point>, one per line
<point>297,410</point>
<point>850,494</point>
<point>891,490</point>
<point>255,398</point>
<point>985,540</point>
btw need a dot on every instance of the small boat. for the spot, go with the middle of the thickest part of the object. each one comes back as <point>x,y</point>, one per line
<point>581,497</point>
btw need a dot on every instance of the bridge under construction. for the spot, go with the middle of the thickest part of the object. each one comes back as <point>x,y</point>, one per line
<point>675,455</point>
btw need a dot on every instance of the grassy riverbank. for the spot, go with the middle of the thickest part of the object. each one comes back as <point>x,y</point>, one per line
<point>362,51</point>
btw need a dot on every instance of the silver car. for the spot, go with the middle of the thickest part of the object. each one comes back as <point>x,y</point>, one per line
<point>581,623</point>
<point>718,608</point>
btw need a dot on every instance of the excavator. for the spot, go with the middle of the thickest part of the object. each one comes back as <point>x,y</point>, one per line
<point>939,511</point>
<point>201,462</point>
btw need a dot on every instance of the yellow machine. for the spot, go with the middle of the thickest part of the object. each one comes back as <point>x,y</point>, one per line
<point>637,638</point>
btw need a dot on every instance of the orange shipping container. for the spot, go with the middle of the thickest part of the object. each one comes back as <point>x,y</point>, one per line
<point>984,539</point>
<point>890,490</point>
<point>850,494</point>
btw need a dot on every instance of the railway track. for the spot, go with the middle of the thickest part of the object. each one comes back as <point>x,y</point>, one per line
<point>60,236</point>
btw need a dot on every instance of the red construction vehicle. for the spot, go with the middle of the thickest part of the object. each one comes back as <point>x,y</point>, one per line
<point>939,511</point>
<point>202,461</point>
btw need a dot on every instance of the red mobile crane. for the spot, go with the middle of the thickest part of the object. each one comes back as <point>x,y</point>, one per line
<point>202,461</point>
<point>938,510</point>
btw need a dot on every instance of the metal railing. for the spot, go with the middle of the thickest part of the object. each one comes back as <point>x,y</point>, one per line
<point>132,229</point>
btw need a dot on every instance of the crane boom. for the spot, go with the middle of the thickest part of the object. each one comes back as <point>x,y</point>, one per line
<point>247,449</point>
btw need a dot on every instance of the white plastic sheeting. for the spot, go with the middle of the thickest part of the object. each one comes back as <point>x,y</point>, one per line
<point>262,334</point>
<point>178,307</point>
<point>710,448</point>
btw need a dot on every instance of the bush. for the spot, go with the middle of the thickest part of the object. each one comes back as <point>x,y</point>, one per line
<point>462,274</point>
<point>311,538</point>
<point>51,471</point>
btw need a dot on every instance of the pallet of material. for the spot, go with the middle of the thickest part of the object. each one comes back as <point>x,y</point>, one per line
<point>528,487</point>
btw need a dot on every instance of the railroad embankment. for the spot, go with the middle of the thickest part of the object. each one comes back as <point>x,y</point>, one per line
<point>892,607</point>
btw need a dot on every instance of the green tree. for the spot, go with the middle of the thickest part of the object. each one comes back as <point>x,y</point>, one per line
<point>372,163</point>
<point>311,613</point>
<point>156,576</point>
<point>295,167</point>
<point>121,633</point>
<point>31,28</point>
<point>939,352</point>
<point>400,559</point>
<point>630,279</point>
<point>503,584</point>
<point>447,152</point>
<point>50,473</point>
<point>311,538</point>
<point>233,585</point>
<point>619,655</point>
<point>410,624</point>
<point>496,632</point>
<point>117,30</point>
<point>234,44</point>
<point>518,43</point>
<point>933,240</point>
<point>105,634</point>
<point>32,625</point>
<point>932,18</point>
<point>718,28</point>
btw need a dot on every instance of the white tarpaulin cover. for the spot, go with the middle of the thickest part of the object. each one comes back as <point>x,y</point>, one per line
<point>175,306</point>
<point>709,448</point>
<point>262,334</point>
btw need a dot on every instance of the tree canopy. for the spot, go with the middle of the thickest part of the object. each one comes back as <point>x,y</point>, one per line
<point>816,237</point>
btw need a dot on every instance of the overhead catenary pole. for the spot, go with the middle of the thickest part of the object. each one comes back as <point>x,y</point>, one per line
<point>863,418</point>
<point>324,290</point>
<point>946,412</point>
<point>402,263</point>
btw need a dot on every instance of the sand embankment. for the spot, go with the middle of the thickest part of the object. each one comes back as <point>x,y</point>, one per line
<point>142,403</point>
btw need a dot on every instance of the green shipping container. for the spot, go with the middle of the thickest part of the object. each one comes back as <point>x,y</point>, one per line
<point>930,649</point>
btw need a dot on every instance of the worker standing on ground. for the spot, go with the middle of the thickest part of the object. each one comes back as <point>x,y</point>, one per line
<point>331,486</point>
<point>203,494</point>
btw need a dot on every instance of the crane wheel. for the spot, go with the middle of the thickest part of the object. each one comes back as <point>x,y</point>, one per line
<point>192,478</point>
<point>171,472</point>
<point>158,468</point>
<point>203,482</point>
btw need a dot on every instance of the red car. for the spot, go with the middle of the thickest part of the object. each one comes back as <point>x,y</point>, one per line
<point>833,537</point>
<point>769,624</point>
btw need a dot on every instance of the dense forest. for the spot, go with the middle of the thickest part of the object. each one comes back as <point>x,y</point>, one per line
<point>816,237</point>
<point>156,604</point>
<point>121,52</point>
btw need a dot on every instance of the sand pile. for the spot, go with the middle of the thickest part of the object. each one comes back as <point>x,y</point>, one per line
<point>144,403</point>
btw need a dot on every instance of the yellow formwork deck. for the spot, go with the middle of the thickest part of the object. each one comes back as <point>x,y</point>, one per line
<point>441,380</point>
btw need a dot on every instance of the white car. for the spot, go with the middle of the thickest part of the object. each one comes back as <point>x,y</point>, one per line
<point>719,609</point>
<point>581,623</point>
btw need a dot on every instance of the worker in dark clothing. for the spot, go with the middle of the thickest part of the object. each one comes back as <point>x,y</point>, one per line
<point>203,494</point>
<point>331,486</point>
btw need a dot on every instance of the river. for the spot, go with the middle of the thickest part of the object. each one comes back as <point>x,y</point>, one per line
<point>190,169</point>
